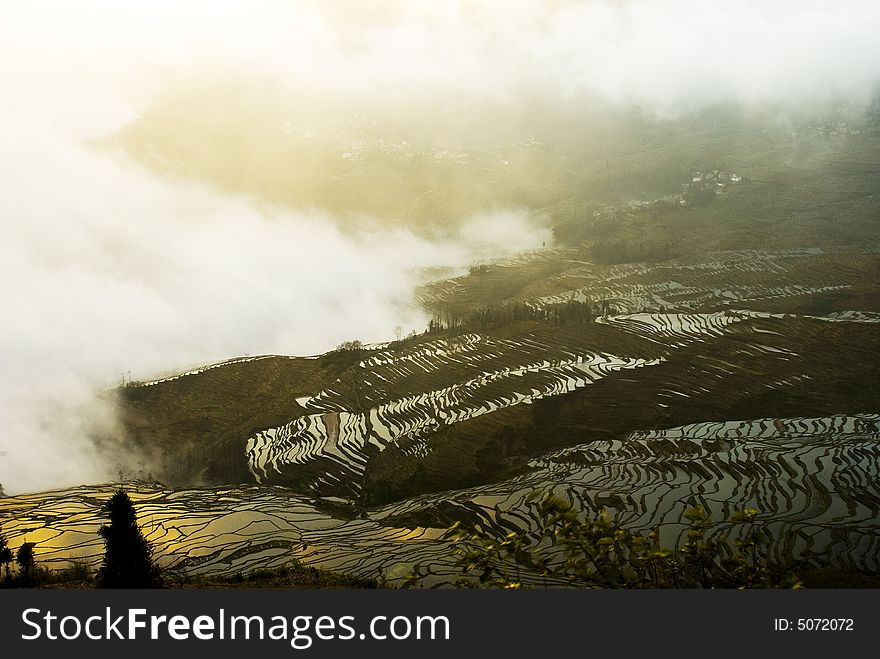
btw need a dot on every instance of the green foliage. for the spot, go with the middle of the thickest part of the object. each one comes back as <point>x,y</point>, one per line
<point>561,548</point>
<point>128,561</point>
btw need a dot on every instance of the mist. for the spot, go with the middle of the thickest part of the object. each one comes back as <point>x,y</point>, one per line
<point>115,270</point>
<point>109,267</point>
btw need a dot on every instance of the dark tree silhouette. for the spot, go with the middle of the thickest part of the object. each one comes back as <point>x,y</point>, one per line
<point>5,555</point>
<point>25,559</point>
<point>128,557</point>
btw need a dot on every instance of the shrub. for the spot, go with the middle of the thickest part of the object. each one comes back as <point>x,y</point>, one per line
<point>560,548</point>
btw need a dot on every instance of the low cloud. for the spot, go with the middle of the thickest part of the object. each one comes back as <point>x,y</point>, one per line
<point>107,267</point>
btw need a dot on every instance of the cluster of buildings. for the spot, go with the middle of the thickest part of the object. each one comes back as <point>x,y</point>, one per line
<point>715,181</point>
<point>835,128</point>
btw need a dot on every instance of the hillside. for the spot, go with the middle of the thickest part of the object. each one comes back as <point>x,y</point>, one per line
<point>713,342</point>
<point>429,165</point>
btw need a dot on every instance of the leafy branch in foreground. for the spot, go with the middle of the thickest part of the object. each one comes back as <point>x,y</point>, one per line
<point>561,548</point>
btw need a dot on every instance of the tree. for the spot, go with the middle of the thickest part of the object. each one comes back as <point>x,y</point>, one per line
<point>5,555</point>
<point>25,559</point>
<point>128,557</point>
<point>559,547</point>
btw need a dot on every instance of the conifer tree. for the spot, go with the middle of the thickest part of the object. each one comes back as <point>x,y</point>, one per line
<point>25,559</point>
<point>5,555</point>
<point>128,557</point>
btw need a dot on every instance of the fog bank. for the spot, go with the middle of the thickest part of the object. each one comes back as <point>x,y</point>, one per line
<point>107,268</point>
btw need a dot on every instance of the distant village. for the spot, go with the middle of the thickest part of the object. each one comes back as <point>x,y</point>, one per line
<point>715,181</point>
<point>699,188</point>
<point>833,128</point>
<point>354,150</point>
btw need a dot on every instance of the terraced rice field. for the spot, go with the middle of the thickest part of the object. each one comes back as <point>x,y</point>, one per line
<point>741,379</point>
<point>815,480</point>
<point>710,282</point>
<point>330,432</point>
